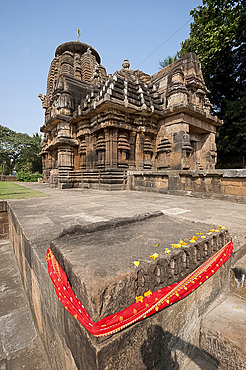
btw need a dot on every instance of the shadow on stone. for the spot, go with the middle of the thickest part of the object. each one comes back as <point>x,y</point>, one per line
<point>159,352</point>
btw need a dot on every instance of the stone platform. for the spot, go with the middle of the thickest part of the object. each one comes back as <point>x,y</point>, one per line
<point>165,339</point>
<point>99,258</point>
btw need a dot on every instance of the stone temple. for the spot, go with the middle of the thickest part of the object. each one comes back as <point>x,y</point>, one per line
<point>99,126</point>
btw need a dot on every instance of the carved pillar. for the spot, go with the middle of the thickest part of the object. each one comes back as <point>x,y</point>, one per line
<point>49,161</point>
<point>139,150</point>
<point>123,150</point>
<point>114,148</point>
<point>107,145</point>
<point>93,151</point>
<point>45,164</point>
<point>65,160</point>
<point>100,148</point>
<point>82,154</point>
<point>88,151</point>
<point>132,143</point>
<point>148,152</point>
<point>186,152</point>
<point>163,154</point>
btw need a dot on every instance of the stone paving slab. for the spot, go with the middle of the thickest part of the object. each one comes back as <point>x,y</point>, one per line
<point>20,347</point>
<point>67,207</point>
<point>223,333</point>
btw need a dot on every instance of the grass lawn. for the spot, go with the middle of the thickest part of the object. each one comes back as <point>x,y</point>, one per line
<point>11,190</point>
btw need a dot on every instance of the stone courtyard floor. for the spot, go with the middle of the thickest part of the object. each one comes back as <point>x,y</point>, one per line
<point>42,220</point>
<point>47,217</point>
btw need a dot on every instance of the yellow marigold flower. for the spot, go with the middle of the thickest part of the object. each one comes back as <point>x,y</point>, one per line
<point>203,236</point>
<point>154,256</point>
<point>212,230</point>
<point>139,298</point>
<point>136,263</point>
<point>223,227</point>
<point>168,251</point>
<point>209,233</point>
<point>148,293</point>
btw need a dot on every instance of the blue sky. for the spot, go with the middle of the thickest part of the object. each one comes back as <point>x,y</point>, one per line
<point>30,31</point>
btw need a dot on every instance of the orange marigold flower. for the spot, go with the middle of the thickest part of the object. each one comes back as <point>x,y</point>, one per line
<point>157,245</point>
<point>154,256</point>
<point>193,239</point>
<point>182,242</point>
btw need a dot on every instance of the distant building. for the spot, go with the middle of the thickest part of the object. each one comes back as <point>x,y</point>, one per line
<point>99,126</point>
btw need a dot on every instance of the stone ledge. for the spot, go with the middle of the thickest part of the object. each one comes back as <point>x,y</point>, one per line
<point>229,185</point>
<point>223,334</point>
<point>98,258</point>
<point>4,220</point>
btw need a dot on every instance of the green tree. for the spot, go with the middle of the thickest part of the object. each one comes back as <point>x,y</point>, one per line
<point>30,160</point>
<point>18,150</point>
<point>218,37</point>
<point>168,61</point>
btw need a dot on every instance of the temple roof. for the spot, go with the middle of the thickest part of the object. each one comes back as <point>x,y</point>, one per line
<point>78,48</point>
<point>128,88</point>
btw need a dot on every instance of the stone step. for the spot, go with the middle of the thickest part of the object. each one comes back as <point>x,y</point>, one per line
<point>223,333</point>
<point>238,278</point>
<point>199,360</point>
<point>20,346</point>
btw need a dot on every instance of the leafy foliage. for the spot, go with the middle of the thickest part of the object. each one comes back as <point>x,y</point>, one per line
<point>25,177</point>
<point>168,61</point>
<point>218,37</point>
<point>19,151</point>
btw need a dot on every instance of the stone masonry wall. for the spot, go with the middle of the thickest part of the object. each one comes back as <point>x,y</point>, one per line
<point>8,178</point>
<point>217,184</point>
<point>47,312</point>
<point>4,221</point>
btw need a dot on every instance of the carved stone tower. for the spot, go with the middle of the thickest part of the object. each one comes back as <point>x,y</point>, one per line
<point>99,126</point>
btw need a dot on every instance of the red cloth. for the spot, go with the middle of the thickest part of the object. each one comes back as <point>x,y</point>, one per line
<point>138,310</point>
